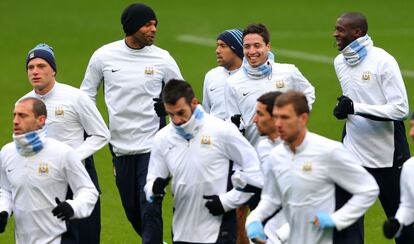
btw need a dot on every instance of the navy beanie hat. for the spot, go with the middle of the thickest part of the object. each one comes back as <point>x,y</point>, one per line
<point>42,51</point>
<point>135,16</point>
<point>233,39</point>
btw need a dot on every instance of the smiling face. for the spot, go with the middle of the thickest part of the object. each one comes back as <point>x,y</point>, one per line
<point>345,33</point>
<point>255,49</point>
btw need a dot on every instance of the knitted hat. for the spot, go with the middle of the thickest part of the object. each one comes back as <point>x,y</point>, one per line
<point>233,39</point>
<point>42,51</point>
<point>135,16</point>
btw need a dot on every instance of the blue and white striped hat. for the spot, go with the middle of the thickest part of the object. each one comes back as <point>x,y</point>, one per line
<point>233,39</point>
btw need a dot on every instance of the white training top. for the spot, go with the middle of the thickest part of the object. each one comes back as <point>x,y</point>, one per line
<point>213,91</point>
<point>376,88</point>
<point>241,93</point>
<point>405,212</point>
<point>304,184</point>
<point>131,79</point>
<point>29,186</point>
<point>201,167</point>
<point>70,112</point>
<point>264,148</point>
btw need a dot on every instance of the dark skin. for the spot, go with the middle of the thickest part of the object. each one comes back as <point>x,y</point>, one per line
<point>347,29</point>
<point>144,36</point>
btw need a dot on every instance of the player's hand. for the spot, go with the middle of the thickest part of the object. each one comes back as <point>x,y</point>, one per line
<point>214,205</point>
<point>392,228</point>
<point>344,107</point>
<point>236,120</point>
<point>324,220</point>
<point>159,107</point>
<point>255,232</point>
<point>63,210</point>
<point>3,220</point>
<point>158,189</point>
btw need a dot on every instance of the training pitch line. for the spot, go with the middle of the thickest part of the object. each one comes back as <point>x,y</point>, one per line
<point>282,52</point>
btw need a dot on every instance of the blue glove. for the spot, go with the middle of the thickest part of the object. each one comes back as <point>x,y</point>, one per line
<point>255,231</point>
<point>324,220</point>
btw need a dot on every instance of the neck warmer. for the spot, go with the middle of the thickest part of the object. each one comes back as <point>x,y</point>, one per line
<point>30,143</point>
<point>189,128</point>
<point>261,71</point>
<point>357,50</point>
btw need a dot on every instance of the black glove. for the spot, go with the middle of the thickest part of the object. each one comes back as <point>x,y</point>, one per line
<point>3,221</point>
<point>159,185</point>
<point>159,107</point>
<point>344,107</point>
<point>158,188</point>
<point>214,205</point>
<point>63,210</point>
<point>236,120</point>
<point>391,228</point>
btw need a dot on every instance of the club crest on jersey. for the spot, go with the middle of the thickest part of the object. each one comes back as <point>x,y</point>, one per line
<point>149,71</point>
<point>43,169</point>
<point>307,166</point>
<point>206,140</point>
<point>366,75</point>
<point>280,84</point>
<point>59,111</point>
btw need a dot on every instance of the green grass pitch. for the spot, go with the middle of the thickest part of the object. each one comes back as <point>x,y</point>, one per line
<point>301,33</point>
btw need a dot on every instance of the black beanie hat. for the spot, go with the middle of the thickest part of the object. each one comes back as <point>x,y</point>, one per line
<point>233,39</point>
<point>135,16</point>
<point>42,51</point>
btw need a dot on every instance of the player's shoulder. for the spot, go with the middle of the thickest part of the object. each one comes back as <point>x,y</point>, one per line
<point>53,143</point>
<point>214,72</point>
<point>409,163</point>
<point>381,55</point>
<point>322,144</point>
<point>27,95</point>
<point>283,66</point>
<point>339,59</point>
<point>238,77</point>
<point>9,147</point>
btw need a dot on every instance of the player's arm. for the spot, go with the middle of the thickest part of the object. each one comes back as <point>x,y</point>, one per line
<point>85,193</point>
<point>5,191</point>
<point>405,212</point>
<point>158,174</point>
<point>206,98</point>
<point>303,85</point>
<point>94,126</point>
<point>344,166</point>
<point>93,77</point>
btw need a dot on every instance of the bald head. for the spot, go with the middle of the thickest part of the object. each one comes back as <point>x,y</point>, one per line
<point>356,20</point>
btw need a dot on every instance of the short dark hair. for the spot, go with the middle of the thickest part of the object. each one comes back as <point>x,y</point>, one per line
<point>297,99</point>
<point>176,89</point>
<point>257,29</point>
<point>268,99</point>
<point>357,20</point>
<point>39,107</point>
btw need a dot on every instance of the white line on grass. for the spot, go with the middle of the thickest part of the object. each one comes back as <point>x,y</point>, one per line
<point>282,52</point>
